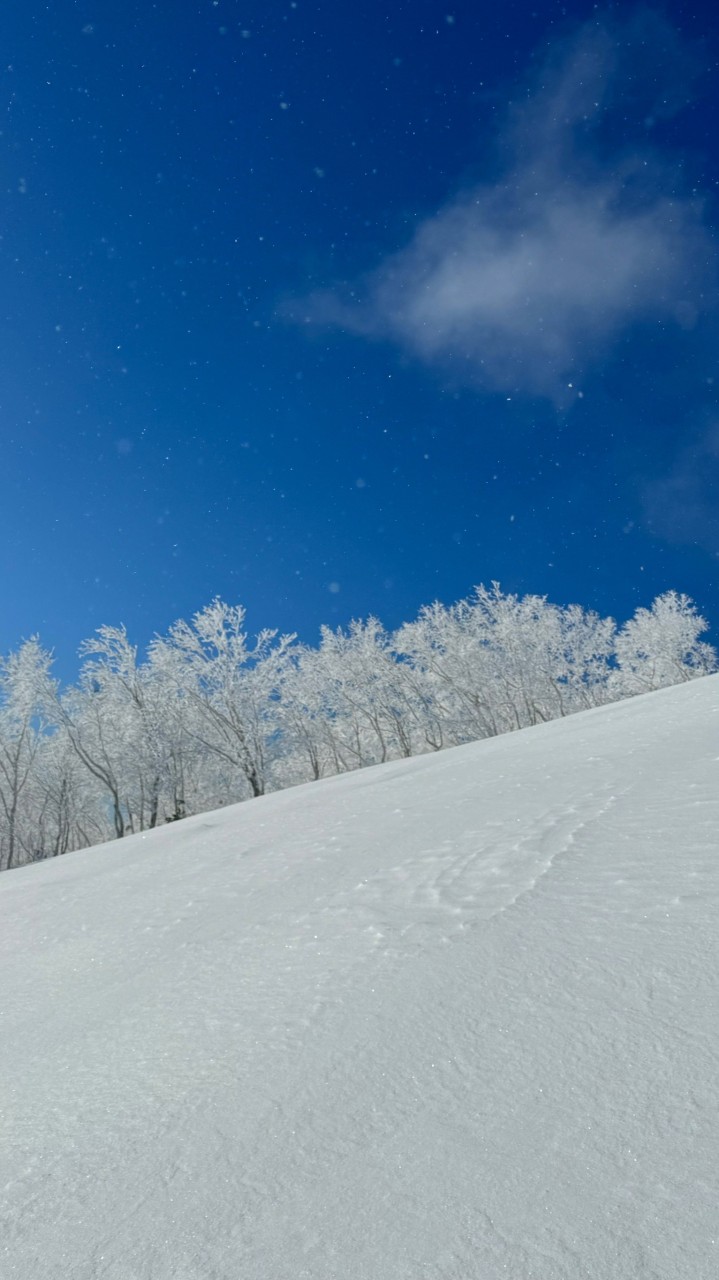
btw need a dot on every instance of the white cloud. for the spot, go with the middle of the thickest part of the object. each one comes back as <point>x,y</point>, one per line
<point>521,284</point>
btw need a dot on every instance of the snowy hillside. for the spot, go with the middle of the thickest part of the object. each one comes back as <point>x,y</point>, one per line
<point>453,1018</point>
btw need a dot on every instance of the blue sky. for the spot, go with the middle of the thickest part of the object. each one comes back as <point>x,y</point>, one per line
<point>333,315</point>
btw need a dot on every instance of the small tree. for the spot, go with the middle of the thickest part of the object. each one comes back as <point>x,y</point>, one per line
<point>661,646</point>
<point>25,691</point>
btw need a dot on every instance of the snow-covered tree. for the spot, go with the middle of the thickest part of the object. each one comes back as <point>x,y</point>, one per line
<point>210,717</point>
<point>25,690</point>
<point>139,703</point>
<point>232,685</point>
<point>660,646</point>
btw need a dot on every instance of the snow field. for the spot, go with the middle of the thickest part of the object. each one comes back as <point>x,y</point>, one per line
<point>450,1018</point>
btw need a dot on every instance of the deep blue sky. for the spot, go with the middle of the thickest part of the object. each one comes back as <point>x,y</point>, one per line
<point>292,295</point>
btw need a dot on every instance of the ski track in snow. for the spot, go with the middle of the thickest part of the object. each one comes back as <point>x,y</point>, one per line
<point>448,892</point>
<point>452,1018</point>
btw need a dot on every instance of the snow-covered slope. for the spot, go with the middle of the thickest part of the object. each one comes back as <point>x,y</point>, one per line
<point>454,1018</point>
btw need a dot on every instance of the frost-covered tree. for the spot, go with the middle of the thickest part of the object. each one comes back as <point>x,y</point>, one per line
<point>99,742</point>
<point>233,686</point>
<point>371,704</point>
<point>211,717</point>
<point>141,705</point>
<point>497,662</point>
<point>25,690</point>
<point>660,646</point>
<point>350,703</point>
<point>305,720</point>
<point>69,805</point>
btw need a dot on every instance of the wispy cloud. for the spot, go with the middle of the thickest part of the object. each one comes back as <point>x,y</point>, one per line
<point>523,283</point>
<point>681,507</point>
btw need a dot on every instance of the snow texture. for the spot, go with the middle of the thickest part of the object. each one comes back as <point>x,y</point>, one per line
<point>450,1018</point>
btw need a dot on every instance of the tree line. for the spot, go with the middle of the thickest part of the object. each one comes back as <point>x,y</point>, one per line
<point>211,716</point>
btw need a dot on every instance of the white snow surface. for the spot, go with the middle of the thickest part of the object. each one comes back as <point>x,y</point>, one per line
<point>453,1018</point>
